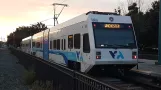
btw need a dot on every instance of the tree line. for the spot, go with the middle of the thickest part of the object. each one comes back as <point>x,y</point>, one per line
<point>21,32</point>
<point>146,24</point>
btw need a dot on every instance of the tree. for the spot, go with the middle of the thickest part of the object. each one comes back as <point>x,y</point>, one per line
<point>152,24</point>
<point>145,24</point>
<point>23,32</point>
<point>123,4</point>
<point>137,19</point>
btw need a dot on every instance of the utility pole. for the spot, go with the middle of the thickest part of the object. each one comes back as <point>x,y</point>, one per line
<point>57,15</point>
<point>159,38</point>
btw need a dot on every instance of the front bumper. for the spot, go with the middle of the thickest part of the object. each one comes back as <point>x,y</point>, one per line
<point>116,62</point>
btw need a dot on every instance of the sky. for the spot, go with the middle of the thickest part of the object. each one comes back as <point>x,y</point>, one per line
<point>15,13</point>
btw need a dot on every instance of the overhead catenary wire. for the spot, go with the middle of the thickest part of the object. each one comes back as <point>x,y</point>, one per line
<point>42,21</point>
<point>52,17</point>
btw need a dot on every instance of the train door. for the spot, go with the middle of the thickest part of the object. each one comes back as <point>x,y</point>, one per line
<point>85,52</point>
<point>63,45</point>
<point>64,59</point>
<point>46,45</point>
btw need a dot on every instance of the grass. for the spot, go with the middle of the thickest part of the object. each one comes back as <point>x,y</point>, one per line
<point>29,78</point>
<point>39,85</point>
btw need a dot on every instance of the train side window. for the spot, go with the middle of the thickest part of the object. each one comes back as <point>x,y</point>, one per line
<point>37,45</point>
<point>77,41</point>
<point>70,41</point>
<point>50,44</point>
<point>40,45</point>
<point>58,44</point>
<point>64,44</point>
<point>86,45</point>
<point>29,44</point>
<point>33,44</point>
<point>55,44</point>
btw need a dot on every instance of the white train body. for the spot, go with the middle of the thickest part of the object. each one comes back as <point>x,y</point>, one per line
<point>37,44</point>
<point>89,41</point>
<point>26,45</point>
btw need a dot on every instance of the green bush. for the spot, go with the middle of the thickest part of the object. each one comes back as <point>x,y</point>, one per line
<point>29,77</point>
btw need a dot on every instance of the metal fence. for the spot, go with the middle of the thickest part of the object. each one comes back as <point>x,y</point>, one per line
<point>62,77</point>
<point>148,56</point>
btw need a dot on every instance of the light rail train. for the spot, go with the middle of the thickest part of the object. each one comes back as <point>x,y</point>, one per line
<point>90,42</point>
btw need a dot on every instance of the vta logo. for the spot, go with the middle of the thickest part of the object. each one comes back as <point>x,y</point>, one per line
<point>79,56</point>
<point>94,20</point>
<point>116,54</point>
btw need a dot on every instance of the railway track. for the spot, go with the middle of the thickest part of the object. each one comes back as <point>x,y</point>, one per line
<point>121,84</point>
<point>132,81</point>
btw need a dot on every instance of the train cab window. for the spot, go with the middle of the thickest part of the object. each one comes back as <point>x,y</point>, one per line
<point>86,45</point>
<point>70,41</point>
<point>50,44</point>
<point>64,44</point>
<point>77,41</point>
<point>58,44</point>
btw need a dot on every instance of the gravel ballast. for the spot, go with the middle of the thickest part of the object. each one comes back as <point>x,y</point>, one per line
<point>11,73</point>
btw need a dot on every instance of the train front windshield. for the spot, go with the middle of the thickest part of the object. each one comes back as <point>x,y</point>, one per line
<point>108,35</point>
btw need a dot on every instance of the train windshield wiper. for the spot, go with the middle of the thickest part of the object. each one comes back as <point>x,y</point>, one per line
<point>115,46</point>
<point>121,46</point>
<point>126,46</point>
<point>112,46</point>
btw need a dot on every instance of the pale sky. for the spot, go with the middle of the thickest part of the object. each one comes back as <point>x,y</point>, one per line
<point>14,13</point>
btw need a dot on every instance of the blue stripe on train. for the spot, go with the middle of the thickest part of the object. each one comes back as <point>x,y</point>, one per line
<point>66,55</point>
<point>37,49</point>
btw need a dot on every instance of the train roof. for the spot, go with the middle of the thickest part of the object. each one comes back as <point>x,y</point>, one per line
<point>84,17</point>
<point>91,14</point>
<point>77,19</point>
<point>27,38</point>
<point>37,35</point>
